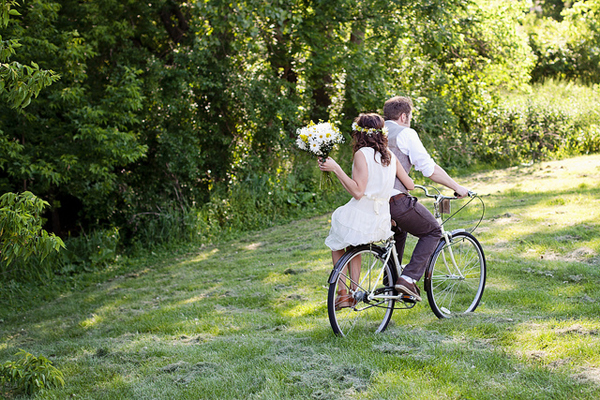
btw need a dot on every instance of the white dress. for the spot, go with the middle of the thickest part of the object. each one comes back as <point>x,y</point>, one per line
<point>368,219</point>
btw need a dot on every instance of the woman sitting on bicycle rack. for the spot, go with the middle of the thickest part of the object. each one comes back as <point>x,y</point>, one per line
<point>366,217</point>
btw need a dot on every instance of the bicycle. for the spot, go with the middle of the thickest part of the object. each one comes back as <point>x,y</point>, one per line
<point>454,278</point>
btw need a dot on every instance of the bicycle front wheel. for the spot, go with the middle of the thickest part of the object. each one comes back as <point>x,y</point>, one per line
<point>455,276</point>
<point>360,294</point>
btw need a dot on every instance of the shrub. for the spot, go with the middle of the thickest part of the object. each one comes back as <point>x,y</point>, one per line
<point>89,252</point>
<point>556,119</point>
<point>22,238</point>
<point>30,373</point>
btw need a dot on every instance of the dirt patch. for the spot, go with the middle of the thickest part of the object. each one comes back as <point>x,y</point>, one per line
<point>330,382</point>
<point>567,238</point>
<point>582,254</point>
<point>589,375</point>
<point>179,365</point>
<point>577,329</point>
<point>559,363</point>
<point>184,373</point>
<point>194,340</point>
<point>536,354</point>
<point>585,299</point>
<point>538,272</point>
<point>317,374</point>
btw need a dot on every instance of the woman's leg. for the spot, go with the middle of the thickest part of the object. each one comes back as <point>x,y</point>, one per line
<point>354,268</point>
<point>344,299</point>
<point>355,272</point>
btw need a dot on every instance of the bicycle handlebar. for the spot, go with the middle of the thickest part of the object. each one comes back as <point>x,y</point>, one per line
<point>440,195</point>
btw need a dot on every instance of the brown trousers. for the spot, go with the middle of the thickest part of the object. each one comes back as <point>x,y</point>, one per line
<point>414,218</point>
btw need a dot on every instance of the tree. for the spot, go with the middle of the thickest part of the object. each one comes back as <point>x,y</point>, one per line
<point>567,48</point>
<point>171,105</point>
<point>21,233</point>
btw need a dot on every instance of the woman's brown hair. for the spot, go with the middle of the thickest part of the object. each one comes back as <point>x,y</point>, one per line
<point>373,138</point>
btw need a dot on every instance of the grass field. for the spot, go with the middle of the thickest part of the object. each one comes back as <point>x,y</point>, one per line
<point>247,319</point>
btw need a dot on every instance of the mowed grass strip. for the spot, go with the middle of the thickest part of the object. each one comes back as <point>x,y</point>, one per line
<point>247,319</point>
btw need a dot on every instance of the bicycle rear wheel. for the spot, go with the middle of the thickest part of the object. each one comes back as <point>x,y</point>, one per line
<point>360,313</point>
<point>455,276</point>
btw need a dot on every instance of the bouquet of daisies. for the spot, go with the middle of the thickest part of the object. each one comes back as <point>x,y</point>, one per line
<point>319,139</point>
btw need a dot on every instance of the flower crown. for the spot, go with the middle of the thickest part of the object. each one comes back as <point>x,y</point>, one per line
<point>369,131</point>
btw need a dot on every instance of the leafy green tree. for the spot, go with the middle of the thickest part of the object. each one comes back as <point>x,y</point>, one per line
<point>18,82</point>
<point>21,233</point>
<point>167,106</point>
<point>568,47</point>
<point>73,138</point>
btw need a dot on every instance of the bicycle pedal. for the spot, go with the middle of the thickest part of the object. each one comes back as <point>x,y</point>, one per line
<point>408,298</point>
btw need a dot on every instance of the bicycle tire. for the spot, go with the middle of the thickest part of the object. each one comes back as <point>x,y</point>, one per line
<point>367,315</point>
<point>456,290</point>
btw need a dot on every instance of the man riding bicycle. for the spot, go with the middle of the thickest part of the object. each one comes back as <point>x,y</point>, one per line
<point>408,214</point>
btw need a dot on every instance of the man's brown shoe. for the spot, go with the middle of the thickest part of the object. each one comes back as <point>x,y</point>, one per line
<point>403,286</point>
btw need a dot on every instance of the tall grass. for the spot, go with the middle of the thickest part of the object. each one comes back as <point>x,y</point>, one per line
<point>553,120</point>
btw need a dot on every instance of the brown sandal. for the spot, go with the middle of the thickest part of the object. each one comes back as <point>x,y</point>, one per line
<point>344,300</point>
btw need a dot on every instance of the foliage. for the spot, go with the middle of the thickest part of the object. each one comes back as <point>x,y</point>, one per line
<point>177,120</point>
<point>252,201</point>
<point>22,236</point>
<point>88,252</point>
<point>567,46</point>
<point>558,119</point>
<point>30,373</point>
<point>165,103</point>
<point>18,83</point>
<point>74,136</point>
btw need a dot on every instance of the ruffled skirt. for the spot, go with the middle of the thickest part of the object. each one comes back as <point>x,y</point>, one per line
<point>359,222</point>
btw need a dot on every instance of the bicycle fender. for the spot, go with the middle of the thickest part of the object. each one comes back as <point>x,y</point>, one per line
<point>335,272</point>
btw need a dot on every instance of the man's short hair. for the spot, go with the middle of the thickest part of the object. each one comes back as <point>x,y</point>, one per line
<point>396,106</point>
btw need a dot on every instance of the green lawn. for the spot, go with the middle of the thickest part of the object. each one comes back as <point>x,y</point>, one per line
<point>247,319</point>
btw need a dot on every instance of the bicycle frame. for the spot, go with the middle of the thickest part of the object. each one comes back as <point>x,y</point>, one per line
<point>439,198</point>
<point>390,250</point>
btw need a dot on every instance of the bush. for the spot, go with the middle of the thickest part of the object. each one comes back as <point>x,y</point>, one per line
<point>556,119</point>
<point>89,252</point>
<point>30,374</point>
<point>23,242</point>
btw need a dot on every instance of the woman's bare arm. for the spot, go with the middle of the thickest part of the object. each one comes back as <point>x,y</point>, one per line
<point>360,174</point>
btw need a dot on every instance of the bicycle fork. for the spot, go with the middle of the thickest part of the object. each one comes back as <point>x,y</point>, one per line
<point>448,239</point>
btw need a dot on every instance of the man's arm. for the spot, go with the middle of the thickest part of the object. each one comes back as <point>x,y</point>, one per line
<point>420,158</point>
<point>440,176</point>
